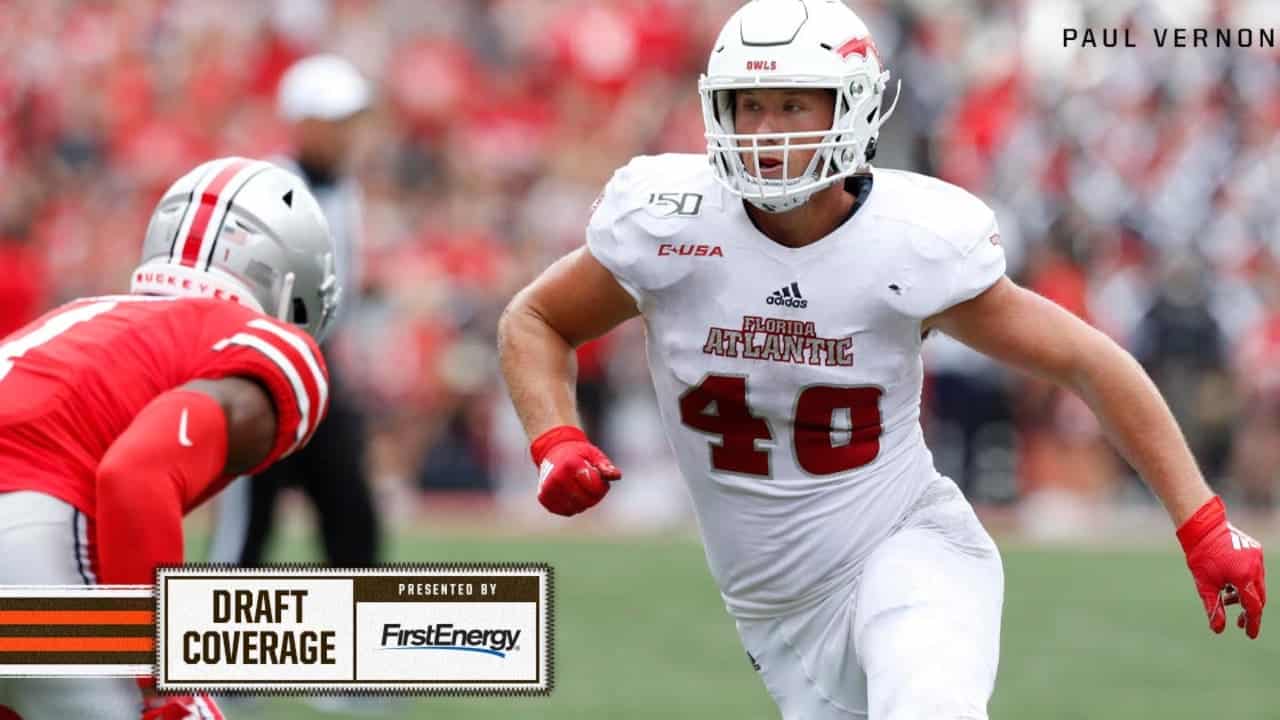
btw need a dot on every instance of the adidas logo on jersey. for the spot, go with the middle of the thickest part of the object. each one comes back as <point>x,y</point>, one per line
<point>788,296</point>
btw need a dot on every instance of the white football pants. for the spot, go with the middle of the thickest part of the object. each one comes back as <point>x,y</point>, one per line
<point>44,541</point>
<point>915,637</point>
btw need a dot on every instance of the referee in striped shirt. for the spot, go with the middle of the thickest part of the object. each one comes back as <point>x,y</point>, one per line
<point>323,98</point>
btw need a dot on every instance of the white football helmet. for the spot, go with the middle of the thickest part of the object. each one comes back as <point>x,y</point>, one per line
<point>794,44</point>
<point>247,231</point>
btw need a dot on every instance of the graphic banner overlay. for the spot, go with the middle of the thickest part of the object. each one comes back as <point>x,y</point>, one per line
<point>98,630</point>
<point>473,629</point>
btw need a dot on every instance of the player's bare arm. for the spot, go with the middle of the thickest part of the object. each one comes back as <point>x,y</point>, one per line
<point>573,301</point>
<point>1026,331</point>
<point>1023,329</point>
<point>250,417</point>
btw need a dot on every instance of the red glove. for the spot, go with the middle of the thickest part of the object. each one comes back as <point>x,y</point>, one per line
<point>573,474</point>
<point>181,707</point>
<point>1227,567</point>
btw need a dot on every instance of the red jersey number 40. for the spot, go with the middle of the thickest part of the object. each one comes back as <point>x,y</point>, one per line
<point>718,406</point>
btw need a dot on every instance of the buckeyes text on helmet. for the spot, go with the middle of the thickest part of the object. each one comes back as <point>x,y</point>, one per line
<point>817,44</point>
<point>247,231</point>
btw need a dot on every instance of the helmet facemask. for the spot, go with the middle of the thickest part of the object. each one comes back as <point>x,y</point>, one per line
<point>793,45</point>
<point>314,314</point>
<point>840,150</point>
<point>293,309</point>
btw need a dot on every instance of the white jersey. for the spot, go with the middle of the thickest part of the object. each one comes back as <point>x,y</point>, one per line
<point>789,378</point>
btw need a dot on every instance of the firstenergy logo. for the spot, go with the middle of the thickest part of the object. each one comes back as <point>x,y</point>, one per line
<point>444,636</point>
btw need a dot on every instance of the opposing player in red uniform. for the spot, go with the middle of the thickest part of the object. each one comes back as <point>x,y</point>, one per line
<point>120,414</point>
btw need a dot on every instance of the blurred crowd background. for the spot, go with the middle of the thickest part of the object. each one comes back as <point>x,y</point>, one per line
<point>1136,187</point>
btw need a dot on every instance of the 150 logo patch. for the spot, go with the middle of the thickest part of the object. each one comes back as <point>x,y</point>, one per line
<point>682,204</point>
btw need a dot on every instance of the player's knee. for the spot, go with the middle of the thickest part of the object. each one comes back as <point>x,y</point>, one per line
<point>933,706</point>
<point>931,712</point>
<point>919,698</point>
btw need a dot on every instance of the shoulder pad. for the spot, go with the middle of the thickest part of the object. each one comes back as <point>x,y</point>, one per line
<point>658,193</point>
<point>955,216</point>
<point>949,239</point>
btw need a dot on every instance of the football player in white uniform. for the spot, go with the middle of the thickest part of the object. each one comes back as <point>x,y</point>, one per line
<point>786,287</point>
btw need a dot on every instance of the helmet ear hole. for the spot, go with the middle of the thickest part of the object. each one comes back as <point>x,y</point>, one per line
<point>299,314</point>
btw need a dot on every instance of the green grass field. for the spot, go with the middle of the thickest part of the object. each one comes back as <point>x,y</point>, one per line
<point>641,633</point>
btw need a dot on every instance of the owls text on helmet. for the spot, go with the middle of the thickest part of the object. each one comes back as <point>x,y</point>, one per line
<point>247,231</point>
<point>793,44</point>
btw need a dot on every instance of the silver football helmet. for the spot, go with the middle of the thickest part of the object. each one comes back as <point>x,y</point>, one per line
<point>247,231</point>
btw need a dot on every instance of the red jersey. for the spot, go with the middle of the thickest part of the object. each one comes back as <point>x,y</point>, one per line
<point>73,380</point>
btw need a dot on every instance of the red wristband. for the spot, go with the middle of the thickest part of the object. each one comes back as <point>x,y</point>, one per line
<point>1211,515</point>
<point>549,439</point>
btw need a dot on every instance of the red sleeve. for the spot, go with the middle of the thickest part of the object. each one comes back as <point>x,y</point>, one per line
<point>286,361</point>
<point>173,452</point>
